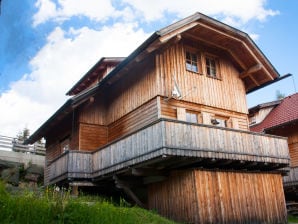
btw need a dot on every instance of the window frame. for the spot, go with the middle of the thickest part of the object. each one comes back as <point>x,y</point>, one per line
<point>223,120</point>
<point>216,66</point>
<point>189,62</point>
<point>191,115</point>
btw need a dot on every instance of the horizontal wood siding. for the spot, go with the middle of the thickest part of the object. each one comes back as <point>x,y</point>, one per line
<point>92,136</point>
<point>93,111</point>
<point>200,196</point>
<point>133,121</point>
<point>227,93</point>
<point>169,110</point>
<point>127,94</point>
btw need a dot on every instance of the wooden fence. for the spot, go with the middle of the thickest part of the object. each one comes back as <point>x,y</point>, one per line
<point>13,144</point>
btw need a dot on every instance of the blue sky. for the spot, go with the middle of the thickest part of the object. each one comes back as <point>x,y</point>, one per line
<point>47,45</point>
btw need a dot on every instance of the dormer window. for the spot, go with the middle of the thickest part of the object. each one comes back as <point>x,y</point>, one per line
<point>192,62</point>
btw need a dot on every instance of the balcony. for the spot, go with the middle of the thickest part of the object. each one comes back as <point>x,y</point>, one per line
<point>292,178</point>
<point>169,144</point>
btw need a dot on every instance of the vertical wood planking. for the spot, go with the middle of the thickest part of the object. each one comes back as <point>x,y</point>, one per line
<point>221,197</point>
<point>227,93</point>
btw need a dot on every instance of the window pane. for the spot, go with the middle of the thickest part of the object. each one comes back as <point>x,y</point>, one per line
<point>191,62</point>
<point>191,117</point>
<point>211,66</point>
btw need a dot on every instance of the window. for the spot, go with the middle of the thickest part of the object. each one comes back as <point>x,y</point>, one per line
<point>192,62</point>
<point>191,117</point>
<point>212,66</point>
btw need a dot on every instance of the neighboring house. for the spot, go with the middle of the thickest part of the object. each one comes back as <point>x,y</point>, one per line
<point>168,125</point>
<point>283,121</point>
<point>258,113</point>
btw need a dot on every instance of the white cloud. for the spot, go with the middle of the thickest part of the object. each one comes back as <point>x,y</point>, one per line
<point>234,11</point>
<point>240,11</point>
<point>66,57</point>
<point>69,54</point>
<point>65,9</point>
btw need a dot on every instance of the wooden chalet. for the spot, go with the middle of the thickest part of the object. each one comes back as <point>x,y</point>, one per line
<point>282,120</point>
<point>168,126</point>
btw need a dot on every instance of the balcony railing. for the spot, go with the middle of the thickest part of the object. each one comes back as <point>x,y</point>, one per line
<point>292,177</point>
<point>71,164</point>
<point>171,138</point>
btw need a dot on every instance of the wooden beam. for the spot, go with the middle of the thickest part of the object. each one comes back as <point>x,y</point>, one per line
<point>120,184</point>
<point>254,80</point>
<point>240,63</point>
<point>176,32</point>
<point>153,179</point>
<point>242,42</point>
<point>252,69</point>
<point>156,45</point>
<point>145,172</point>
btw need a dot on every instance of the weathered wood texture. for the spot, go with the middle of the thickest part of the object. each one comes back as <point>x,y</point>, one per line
<point>222,143</point>
<point>293,148</point>
<point>126,95</point>
<point>174,138</point>
<point>292,177</point>
<point>169,110</point>
<point>200,196</point>
<point>92,136</point>
<point>71,164</point>
<point>226,93</point>
<point>93,111</point>
<point>142,116</point>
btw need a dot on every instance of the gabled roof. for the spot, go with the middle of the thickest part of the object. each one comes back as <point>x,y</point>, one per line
<point>264,105</point>
<point>97,71</point>
<point>284,113</point>
<point>255,69</point>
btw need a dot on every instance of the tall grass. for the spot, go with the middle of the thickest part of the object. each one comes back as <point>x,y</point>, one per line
<point>52,206</point>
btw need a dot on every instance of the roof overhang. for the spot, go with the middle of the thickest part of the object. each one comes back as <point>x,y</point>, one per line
<point>94,73</point>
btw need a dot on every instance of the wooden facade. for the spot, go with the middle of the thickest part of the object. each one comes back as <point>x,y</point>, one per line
<point>201,196</point>
<point>155,114</point>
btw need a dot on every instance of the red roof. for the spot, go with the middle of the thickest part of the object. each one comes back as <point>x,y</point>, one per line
<point>285,112</point>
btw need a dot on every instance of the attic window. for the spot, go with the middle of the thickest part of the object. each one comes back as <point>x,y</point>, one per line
<point>192,62</point>
<point>212,66</point>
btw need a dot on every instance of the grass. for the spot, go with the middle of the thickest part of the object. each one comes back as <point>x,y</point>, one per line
<point>52,206</point>
<point>292,219</point>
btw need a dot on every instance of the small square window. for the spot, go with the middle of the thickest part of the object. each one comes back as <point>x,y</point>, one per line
<point>191,117</point>
<point>192,62</point>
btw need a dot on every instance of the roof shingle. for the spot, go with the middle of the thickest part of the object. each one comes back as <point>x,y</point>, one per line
<point>285,112</point>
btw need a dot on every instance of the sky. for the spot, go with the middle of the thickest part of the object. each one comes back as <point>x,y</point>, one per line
<point>46,46</point>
